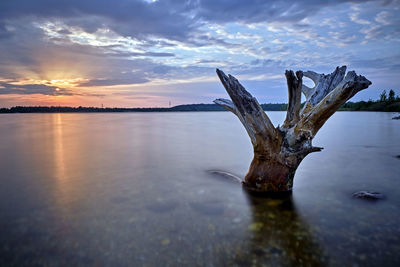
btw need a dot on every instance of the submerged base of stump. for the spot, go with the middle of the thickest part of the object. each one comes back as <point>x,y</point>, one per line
<point>266,194</point>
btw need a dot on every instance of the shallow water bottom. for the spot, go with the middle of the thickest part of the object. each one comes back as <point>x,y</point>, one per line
<point>136,190</point>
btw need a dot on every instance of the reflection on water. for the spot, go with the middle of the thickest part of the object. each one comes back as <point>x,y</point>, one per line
<point>134,189</point>
<point>279,236</point>
<point>62,187</point>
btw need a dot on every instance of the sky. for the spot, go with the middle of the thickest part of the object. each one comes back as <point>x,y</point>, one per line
<point>144,53</point>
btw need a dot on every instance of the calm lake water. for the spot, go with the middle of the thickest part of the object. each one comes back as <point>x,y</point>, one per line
<point>135,189</point>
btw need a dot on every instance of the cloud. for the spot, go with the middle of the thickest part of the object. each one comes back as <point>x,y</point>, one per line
<point>355,18</point>
<point>384,17</point>
<point>162,69</point>
<point>266,62</point>
<point>127,17</point>
<point>171,19</point>
<point>137,54</point>
<point>375,63</point>
<point>379,32</point>
<point>4,32</point>
<point>343,39</point>
<point>8,88</point>
<point>110,82</point>
<point>255,11</point>
<point>154,54</point>
<point>98,45</point>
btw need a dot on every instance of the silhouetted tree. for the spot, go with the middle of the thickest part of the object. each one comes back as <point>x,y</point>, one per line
<point>391,96</point>
<point>383,97</point>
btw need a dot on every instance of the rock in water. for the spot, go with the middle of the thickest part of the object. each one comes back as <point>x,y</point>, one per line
<point>368,195</point>
<point>396,118</point>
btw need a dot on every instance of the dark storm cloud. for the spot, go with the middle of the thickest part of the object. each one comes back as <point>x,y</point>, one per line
<point>172,19</point>
<point>23,47</point>
<point>127,17</point>
<point>28,89</point>
<point>253,11</point>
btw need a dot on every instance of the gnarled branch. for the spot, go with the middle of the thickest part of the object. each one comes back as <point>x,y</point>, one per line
<point>227,104</point>
<point>344,89</point>
<point>324,84</point>
<point>246,107</point>
<point>294,83</point>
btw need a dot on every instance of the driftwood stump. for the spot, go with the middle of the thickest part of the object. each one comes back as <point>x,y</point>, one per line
<point>278,151</point>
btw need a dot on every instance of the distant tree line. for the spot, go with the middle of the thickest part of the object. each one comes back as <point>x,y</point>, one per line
<point>386,102</point>
<point>190,107</point>
<point>58,109</point>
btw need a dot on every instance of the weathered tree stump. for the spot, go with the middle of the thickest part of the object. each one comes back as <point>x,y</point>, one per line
<point>278,151</point>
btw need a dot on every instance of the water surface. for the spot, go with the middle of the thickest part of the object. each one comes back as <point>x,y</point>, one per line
<point>135,189</point>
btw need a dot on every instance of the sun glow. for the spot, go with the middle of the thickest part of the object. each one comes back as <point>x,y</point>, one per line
<point>59,83</point>
<point>66,83</point>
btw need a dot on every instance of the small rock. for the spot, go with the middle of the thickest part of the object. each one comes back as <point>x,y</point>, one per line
<point>398,156</point>
<point>396,118</point>
<point>368,195</point>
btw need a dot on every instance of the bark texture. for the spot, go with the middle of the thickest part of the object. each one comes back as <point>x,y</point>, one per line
<point>278,151</point>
